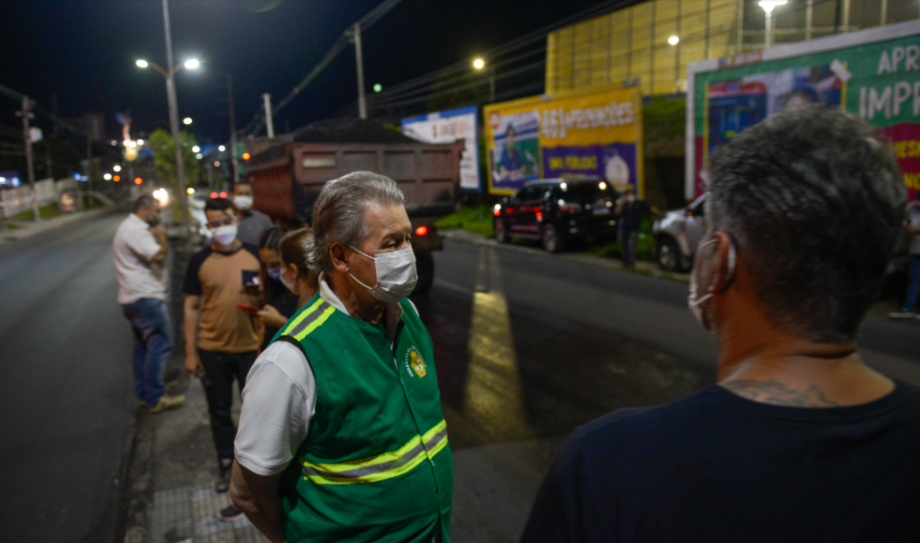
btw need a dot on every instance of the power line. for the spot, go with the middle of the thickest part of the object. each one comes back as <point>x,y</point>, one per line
<point>340,43</point>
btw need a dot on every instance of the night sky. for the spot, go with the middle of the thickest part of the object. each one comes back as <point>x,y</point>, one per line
<point>84,51</point>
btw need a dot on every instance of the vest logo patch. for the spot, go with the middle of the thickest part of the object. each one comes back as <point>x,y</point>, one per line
<point>415,361</point>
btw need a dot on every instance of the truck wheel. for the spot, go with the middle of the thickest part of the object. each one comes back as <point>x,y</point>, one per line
<point>551,239</point>
<point>424,265</point>
<point>668,254</point>
<point>501,234</point>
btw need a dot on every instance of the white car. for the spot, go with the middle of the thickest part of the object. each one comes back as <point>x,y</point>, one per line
<point>677,235</point>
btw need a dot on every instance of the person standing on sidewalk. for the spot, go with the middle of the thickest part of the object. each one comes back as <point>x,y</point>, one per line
<point>341,434</point>
<point>253,223</point>
<point>912,226</point>
<point>288,263</point>
<point>631,212</point>
<point>221,339</point>
<point>139,249</point>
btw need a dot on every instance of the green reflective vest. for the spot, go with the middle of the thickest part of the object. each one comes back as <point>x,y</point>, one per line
<point>375,465</point>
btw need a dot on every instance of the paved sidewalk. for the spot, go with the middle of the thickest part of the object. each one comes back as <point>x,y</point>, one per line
<point>25,229</point>
<point>642,267</point>
<point>172,476</point>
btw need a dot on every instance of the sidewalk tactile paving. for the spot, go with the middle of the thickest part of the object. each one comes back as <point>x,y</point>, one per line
<point>190,515</point>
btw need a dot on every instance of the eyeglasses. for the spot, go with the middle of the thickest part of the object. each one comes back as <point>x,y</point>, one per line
<point>218,224</point>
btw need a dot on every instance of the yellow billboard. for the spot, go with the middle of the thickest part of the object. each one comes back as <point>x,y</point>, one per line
<point>595,133</point>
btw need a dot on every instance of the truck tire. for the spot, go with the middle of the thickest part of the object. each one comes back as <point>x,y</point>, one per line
<point>424,265</point>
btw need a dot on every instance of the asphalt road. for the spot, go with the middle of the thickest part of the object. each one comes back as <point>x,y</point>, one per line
<point>65,384</point>
<point>530,346</point>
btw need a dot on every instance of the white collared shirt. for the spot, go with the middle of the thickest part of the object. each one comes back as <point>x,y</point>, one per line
<point>138,277</point>
<point>279,400</point>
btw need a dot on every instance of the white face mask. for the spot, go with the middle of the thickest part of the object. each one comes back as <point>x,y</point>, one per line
<point>224,235</point>
<point>396,275</point>
<point>695,303</point>
<point>243,203</point>
<point>287,284</point>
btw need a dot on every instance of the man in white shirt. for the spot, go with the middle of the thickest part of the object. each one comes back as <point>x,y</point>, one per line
<point>139,249</point>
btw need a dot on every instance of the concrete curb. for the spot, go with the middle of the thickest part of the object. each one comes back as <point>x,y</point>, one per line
<point>32,229</point>
<point>642,268</point>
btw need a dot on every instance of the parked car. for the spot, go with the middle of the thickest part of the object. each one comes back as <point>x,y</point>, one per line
<point>557,212</point>
<point>677,235</point>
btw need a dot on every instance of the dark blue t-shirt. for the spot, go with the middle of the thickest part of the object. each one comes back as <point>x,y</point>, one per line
<point>715,467</point>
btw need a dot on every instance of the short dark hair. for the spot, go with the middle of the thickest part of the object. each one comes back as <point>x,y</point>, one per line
<point>145,201</point>
<point>814,201</point>
<point>218,204</point>
<point>271,238</point>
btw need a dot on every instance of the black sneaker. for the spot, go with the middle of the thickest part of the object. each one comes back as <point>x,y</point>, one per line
<point>229,514</point>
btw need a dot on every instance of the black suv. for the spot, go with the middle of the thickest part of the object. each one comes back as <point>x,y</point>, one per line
<point>557,211</point>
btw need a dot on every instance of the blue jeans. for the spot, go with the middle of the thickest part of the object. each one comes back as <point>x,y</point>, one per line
<point>152,344</point>
<point>913,284</point>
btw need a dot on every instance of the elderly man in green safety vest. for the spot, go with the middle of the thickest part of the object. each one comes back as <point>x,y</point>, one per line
<point>341,436</point>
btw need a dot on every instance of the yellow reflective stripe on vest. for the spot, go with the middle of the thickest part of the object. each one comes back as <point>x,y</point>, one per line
<point>299,318</point>
<point>308,321</point>
<point>383,466</point>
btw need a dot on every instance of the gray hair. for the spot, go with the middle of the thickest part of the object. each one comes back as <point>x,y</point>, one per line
<point>145,201</point>
<point>814,202</point>
<point>339,214</point>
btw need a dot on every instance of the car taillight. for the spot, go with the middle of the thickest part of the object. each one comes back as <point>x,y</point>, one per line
<point>497,212</point>
<point>539,215</point>
<point>223,194</point>
<point>213,195</point>
<point>421,231</point>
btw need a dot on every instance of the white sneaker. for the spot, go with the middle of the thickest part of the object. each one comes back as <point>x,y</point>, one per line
<point>902,315</point>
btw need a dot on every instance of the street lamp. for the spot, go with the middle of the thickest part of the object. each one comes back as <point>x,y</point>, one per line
<point>768,6</point>
<point>221,148</point>
<point>674,40</point>
<point>116,168</point>
<point>479,64</point>
<point>168,73</point>
<point>187,121</point>
<point>196,149</point>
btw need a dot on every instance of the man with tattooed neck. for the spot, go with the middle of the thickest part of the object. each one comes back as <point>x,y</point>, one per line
<point>799,440</point>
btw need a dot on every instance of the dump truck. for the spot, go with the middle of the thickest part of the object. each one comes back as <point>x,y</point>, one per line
<point>288,175</point>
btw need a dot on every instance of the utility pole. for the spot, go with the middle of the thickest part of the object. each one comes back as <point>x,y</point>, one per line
<point>233,160</point>
<point>27,135</point>
<point>269,124</point>
<point>174,125</point>
<point>359,60</point>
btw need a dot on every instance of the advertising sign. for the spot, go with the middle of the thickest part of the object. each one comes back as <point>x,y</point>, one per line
<point>594,133</point>
<point>446,127</point>
<point>874,73</point>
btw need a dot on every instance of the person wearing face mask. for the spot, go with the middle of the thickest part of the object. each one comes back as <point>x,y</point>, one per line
<point>221,339</point>
<point>253,223</point>
<point>631,211</point>
<point>286,266</point>
<point>341,432</point>
<point>139,249</point>
<point>799,440</point>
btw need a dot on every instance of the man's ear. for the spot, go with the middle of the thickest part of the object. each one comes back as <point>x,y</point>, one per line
<point>337,255</point>
<point>724,263</point>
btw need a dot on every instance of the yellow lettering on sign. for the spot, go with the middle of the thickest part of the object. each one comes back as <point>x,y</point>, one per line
<point>556,163</point>
<point>581,162</point>
<point>907,149</point>
<point>912,180</point>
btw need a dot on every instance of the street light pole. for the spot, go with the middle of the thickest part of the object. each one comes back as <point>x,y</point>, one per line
<point>27,135</point>
<point>233,159</point>
<point>269,123</point>
<point>174,121</point>
<point>359,60</point>
<point>768,6</point>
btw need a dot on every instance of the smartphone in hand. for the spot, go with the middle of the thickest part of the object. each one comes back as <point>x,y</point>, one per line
<point>249,308</point>
<point>251,279</point>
